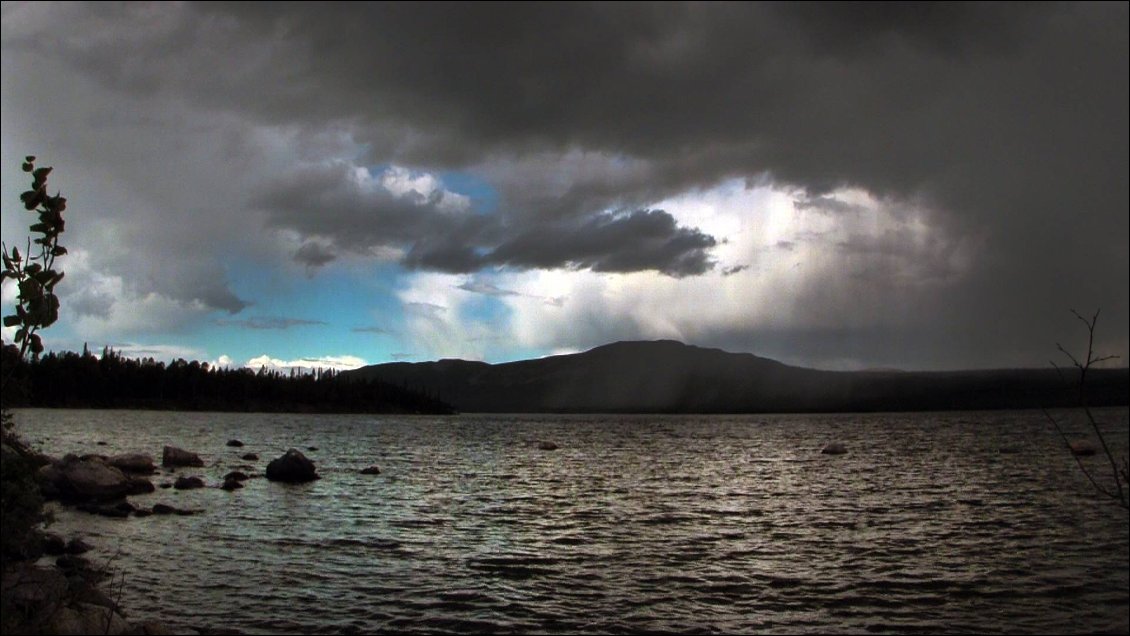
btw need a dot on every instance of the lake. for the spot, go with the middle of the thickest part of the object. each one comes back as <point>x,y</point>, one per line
<point>932,522</point>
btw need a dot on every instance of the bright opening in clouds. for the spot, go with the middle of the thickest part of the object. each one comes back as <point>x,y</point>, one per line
<point>931,187</point>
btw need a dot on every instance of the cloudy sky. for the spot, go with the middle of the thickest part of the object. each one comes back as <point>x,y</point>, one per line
<point>839,186</point>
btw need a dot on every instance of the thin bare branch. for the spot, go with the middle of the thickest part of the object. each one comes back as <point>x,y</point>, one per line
<point>1109,455</point>
<point>1082,466</point>
<point>1074,362</point>
<point>1118,493</point>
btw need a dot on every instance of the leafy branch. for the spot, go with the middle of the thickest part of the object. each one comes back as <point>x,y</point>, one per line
<point>1121,473</point>
<point>33,271</point>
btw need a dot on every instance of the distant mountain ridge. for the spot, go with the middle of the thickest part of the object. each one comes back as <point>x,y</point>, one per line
<point>666,376</point>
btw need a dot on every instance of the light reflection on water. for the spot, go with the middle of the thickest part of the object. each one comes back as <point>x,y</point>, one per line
<point>660,523</point>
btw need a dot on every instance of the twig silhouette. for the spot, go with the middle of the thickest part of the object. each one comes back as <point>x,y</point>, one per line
<point>1118,493</point>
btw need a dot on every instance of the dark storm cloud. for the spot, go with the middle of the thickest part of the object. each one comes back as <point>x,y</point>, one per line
<point>355,212</point>
<point>1001,125</point>
<point>641,240</point>
<point>1001,120</point>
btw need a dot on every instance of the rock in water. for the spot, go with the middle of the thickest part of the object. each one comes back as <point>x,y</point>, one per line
<point>133,463</point>
<point>77,546</point>
<point>188,483</point>
<point>371,470</point>
<point>140,486</point>
<point>173,456</point>
<point>1083,448</point>
<point>77,479</point>
<point>235,443</point>
<point>547,446</point>
<point>293,468</point>
<point>835,448</point>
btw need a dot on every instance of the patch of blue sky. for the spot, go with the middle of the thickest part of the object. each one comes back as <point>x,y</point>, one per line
<point>484,196</point>
<point>336,300</point>
<point>487,311</point>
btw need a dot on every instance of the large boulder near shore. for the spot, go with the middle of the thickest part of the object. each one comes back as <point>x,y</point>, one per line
<point>173,456</point>
<point>293,467</point>
<point>139,463</point>
<point>90,479</point>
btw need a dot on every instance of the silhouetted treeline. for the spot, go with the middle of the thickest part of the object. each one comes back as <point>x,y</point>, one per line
<point>73,380</point>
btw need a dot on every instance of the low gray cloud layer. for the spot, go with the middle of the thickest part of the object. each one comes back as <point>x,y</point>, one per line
<point>268,322</point>
<point>1002,126</point>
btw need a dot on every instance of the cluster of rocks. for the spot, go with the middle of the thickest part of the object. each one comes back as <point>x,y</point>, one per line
<point>100,484</point>
<point>65,599</point>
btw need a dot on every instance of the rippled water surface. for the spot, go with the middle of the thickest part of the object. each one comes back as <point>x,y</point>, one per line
<point>957,522</point>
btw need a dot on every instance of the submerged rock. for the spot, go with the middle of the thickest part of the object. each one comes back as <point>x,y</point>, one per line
<point>371,470</point>
<point>249,457</point>
<point>236,475</point>
<point>140,486</point>
<point>1082,448</point>
<point>235,443</point>
<point>53,544</point>
<point>133,463</point>
<point>173,456</point>
<point>834,448</point>
<point>77,546</point>
<point>119,510</point>
<point>166,509</point>
<point>547,446</point>
<point>188,483</point>
<point>292,467</point>
<point>231,484</point>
